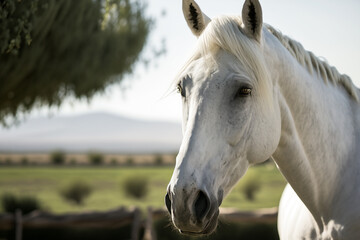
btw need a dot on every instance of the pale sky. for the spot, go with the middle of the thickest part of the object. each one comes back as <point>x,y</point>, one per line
<point>328,28</point>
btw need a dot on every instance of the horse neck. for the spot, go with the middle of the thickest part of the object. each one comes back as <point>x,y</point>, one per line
<point>318,139</point>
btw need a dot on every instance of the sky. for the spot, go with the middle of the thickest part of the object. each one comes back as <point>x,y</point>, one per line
<point>328,28</point>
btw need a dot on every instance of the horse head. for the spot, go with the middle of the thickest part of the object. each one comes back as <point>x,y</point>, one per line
<point>231,118</point>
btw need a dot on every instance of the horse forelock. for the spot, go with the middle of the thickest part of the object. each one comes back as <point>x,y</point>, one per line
<point>225,33</point>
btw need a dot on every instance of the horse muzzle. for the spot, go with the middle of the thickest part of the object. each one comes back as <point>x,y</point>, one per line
<point>194,212</point>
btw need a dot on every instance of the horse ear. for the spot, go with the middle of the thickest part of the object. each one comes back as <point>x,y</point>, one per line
<point>252,18</point>
<point>195,18</point>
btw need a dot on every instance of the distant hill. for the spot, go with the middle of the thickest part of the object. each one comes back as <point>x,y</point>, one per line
<point>97,131</point>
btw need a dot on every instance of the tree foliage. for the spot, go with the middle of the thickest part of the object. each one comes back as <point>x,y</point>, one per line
<point>58,157</point>
<point>53,49</point>
<point>96,158</point>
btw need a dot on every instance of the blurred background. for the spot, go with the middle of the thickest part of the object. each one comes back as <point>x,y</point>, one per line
<point>89,122</point>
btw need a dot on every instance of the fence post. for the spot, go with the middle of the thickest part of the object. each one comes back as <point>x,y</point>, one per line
<point>149,228</point>
<point>18,224</point>
<point>136,224</point>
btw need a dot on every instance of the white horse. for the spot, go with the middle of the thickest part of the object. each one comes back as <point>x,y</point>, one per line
<point>250,94</point>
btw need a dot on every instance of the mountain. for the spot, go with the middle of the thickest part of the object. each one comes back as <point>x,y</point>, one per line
<point>97,131</point>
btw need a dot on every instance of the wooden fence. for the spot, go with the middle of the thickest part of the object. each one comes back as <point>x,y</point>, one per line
<point>117,218</point>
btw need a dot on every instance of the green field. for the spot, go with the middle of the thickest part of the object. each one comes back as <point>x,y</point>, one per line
<point>45,183</point>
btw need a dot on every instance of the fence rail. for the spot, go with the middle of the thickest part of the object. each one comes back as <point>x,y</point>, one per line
<point>120,217</point>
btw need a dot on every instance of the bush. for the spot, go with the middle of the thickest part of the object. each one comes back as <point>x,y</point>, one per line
<point>57,157</point>
<point>73,161</point>
<point>10,203</point>
<point>96,158</point>
<point>250,185</point>
<point>24,161</point>
<point>158,160</point>
<point>136,186</point>
<point>8,161</point>
<point>130,161</point>
<point>113,161</point>
<point>76,192</point>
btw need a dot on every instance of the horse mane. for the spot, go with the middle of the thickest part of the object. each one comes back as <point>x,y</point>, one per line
<point>315,65</point>
<point>223,32</point>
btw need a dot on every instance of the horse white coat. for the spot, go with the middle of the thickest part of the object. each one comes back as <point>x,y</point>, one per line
<point>250,94</point>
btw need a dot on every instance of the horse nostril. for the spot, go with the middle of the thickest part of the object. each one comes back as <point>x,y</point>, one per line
<point>202,205</point>
<point>168,203</point>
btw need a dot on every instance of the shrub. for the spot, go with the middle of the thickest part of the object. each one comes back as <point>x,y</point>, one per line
<point>10,203</point>
<point>158,160</point>
<point>73,161</point>
<point>136,186</point>
<point>113,161</point>
<point>130,161</point>
<point>57,157</point>
<point>24,161</point>
<point>250,185</point>
<point>76,192</point>
<point>8,161</point>
<point>96,158</point>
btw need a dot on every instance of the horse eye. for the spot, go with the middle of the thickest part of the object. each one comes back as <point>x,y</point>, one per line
<point>243,92</point>
<point>180,90</point>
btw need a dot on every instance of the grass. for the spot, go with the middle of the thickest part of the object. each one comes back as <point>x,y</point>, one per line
<point>45,183</point>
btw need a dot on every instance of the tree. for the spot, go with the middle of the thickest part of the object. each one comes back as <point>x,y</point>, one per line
<point>53,49</point>
<point>58,157</point>
<point>96,158</point>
